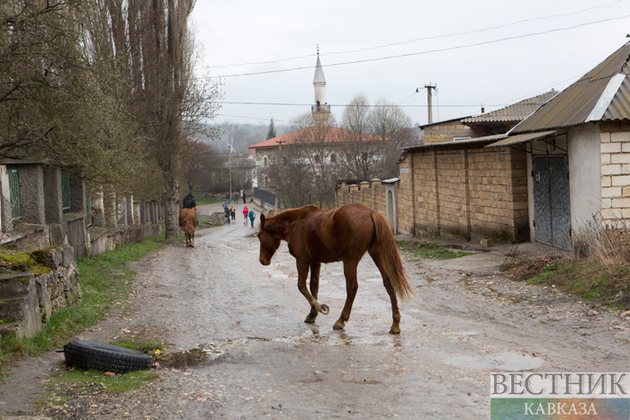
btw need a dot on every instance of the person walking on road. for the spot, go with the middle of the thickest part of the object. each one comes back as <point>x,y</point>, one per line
<point>243,197</point>
<point>252,216</point>
<point>245,214</point>
<point>226,209</point>
<point>233,213</point>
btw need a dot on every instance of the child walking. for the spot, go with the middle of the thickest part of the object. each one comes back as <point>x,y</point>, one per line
<point>245,214</point>
<point>252,216</point>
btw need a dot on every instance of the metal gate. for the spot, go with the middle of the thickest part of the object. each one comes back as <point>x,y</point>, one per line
<point>552,201</point>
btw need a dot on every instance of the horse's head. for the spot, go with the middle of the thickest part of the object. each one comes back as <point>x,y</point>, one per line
<point>269,243</point>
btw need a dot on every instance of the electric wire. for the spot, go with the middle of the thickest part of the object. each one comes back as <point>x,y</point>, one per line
<point>390,57</point>
<point>280,60</point>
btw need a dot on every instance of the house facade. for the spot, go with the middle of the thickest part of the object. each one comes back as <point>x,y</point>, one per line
<point>579,173</point>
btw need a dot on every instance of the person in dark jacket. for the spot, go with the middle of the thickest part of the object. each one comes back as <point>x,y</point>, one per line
<point>190,203</point>
<point>243,197</point>
<point>227,213</point>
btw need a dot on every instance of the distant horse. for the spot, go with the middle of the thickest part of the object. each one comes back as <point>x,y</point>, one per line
<point>318,236</point>
<point>188,221</point>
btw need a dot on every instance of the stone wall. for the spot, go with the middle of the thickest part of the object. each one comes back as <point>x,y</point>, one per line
<point>469,193</point>
<point>372,194</point>
<point>447,131</point>
<point>28,300</point>
<point>615,174</point>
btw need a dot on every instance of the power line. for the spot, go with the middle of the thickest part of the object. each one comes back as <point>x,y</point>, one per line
<point>342,105</point>
<point>457,47</point>
<point>280,60</point>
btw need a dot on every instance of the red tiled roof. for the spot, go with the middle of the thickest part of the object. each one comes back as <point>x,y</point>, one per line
<point>310,134</point>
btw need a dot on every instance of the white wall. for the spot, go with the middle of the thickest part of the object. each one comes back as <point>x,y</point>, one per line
<point>584,173</point>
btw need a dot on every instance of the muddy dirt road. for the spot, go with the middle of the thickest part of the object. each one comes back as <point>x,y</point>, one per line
<point>261,361</point>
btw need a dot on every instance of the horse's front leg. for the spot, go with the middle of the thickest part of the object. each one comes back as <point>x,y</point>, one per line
<point>314,285</point>
<point>350,272</point>
<point>302,267</point>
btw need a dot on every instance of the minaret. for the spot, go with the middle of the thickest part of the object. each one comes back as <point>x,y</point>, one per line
<point>321,109</point>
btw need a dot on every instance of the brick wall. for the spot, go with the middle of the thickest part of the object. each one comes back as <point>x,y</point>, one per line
<point>615,173</point>
<point>467,193</point>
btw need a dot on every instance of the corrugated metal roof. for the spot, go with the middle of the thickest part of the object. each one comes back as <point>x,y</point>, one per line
<point>575,104</point>
<point>520,138</point>
<point>454,144</point>
<point>513,113</point>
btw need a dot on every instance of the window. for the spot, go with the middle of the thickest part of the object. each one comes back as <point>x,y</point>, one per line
<point>65,190</point>
<point>265,161</point>
<point>88,208</point>
<point>14,191</point>
<point>317,160</point>
<point>333,158</point>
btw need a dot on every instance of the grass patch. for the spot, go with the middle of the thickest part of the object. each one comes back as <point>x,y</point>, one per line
<point>17,261</point>
<point>75,382</point>
<point>104,281</point>
<point>147,345</point>
<point>425,249</point>
<point>609,284</point>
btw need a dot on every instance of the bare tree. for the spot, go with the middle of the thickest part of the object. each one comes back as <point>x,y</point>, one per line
<point>289,178</point>
<point>169,103</point>
<point>374,138</point>
<point>361,150</point>
<point>388,122</point>
<point>315,143</point>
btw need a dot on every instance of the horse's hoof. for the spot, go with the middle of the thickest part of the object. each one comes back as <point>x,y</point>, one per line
<point>309,320</point>
<point>394,331</point>
<point>338,326</point>
<point>324,309</point>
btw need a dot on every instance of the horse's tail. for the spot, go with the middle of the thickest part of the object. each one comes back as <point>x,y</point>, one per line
<point>390,258</point>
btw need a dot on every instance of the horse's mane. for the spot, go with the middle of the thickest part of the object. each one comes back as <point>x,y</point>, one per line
<point>281,224</point>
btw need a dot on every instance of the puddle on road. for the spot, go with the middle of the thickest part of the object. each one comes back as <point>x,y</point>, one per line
<point>504,362</point>
<point>188,359</point>
<point>337,338</point>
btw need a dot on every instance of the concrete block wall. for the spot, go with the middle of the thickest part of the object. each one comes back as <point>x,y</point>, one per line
<point>469,193</point>
<point>371,193</point>
<point>615,174</point>
<point>446,132</point>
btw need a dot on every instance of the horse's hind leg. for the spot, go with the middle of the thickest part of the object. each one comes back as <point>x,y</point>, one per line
<point>395,329</point>
<point>350,272</point>
<point>314,286</point>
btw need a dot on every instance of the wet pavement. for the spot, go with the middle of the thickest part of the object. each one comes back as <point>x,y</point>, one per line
<point>240,349</point>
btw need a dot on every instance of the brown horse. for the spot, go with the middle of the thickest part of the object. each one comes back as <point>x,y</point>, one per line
<point>344,234</point>
<point>188,221</point>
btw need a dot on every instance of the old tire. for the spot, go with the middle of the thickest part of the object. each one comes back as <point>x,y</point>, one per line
<point>105,357</point>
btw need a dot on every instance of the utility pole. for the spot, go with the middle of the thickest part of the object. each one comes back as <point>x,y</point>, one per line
<point>429,88</point>
<point>230,158</point>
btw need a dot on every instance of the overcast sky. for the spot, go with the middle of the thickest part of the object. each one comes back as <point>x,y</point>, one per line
<point>490,52</point>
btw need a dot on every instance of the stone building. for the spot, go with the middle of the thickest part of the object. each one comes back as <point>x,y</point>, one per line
<point>562,170</point>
